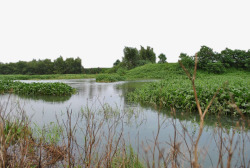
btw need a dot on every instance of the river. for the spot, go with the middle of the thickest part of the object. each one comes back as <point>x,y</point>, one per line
<point>140,123</point>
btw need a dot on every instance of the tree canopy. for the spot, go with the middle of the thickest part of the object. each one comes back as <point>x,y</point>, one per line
<point>162,58</point>
<point>215,62</point>
<point>133,57</point>
<point>46,66</point>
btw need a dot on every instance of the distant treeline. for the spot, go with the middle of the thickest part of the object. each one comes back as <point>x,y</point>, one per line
<point>41,67</point>
<point>216,62</point>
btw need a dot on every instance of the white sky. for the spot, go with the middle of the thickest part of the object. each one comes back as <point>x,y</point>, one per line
<point>98,30</point>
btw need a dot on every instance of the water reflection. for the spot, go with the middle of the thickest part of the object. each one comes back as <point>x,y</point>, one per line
<point>52,99</point>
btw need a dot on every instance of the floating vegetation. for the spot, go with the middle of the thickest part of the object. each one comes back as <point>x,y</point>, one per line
<point>54,89</point>
<point>109,78</point>
<point>178,93</point>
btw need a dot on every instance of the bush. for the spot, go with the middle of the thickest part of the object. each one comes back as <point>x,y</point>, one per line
<point>121,71</point>
<point>216,68</point>
<point>187,61</point>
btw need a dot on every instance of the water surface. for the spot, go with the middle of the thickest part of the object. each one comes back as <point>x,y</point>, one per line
<point>143,123</point>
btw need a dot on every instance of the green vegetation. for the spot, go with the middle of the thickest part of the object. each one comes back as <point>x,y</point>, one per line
<point>215,62</point>
<point>55,89</point>
<point>134,58</point>
<point>54,76</point>
<point>177,92</point>
<point>16,131</point>
<point>131,160</point>
<point>41,67</point>
<point>162,58</point>
<point>95,70</point>
<point>154,71</point>
<point>109,78</point>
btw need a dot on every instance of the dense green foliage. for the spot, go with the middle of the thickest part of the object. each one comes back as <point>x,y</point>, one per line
<point>162,58</point>
<point>215,62</point>
<point>59,66</point>
<point>154,71</point>
<point>55,89</point>
<point>177,91</point>
<point>131,57</point>
<point>134,58</point>
<point>109,78</point>
<point>187,61</point>
<point>147,54</point>
<point>117,62</point>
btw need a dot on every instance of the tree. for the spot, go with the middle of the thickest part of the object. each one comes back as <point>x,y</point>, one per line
<point>206,55</point>
<point>162,58</point>
<point>69,63</point>
<point>131,57</point>
<point>187,61</point>
<point>147,55</point>
<point>78,68</point>
<point>116,62</point>
<point>226,57</point>
<point>49,68</point>
<point>247,65</point>
<point>21,67</point>
<point>32,67</point>
<point>59,66</point>
<point>240,57</point>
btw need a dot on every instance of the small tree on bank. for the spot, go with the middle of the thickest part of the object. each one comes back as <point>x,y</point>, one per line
<point>162,58</point>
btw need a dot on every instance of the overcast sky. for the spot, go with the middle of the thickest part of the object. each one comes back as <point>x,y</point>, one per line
<point>98,30</point>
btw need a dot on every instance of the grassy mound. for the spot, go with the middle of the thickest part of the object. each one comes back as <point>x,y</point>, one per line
<point>154,71</point>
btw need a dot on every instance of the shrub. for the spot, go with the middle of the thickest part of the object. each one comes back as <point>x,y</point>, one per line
<point>216,68</point>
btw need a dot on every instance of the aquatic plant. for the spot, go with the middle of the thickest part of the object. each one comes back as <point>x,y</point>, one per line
<point>109,78</point>
<point>177,92</point>
<point>55,89</point>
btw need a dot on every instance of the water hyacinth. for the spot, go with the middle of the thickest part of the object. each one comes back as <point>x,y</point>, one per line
<point>109,78</point>
<point>53,89</point>
<point>178,93</point>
